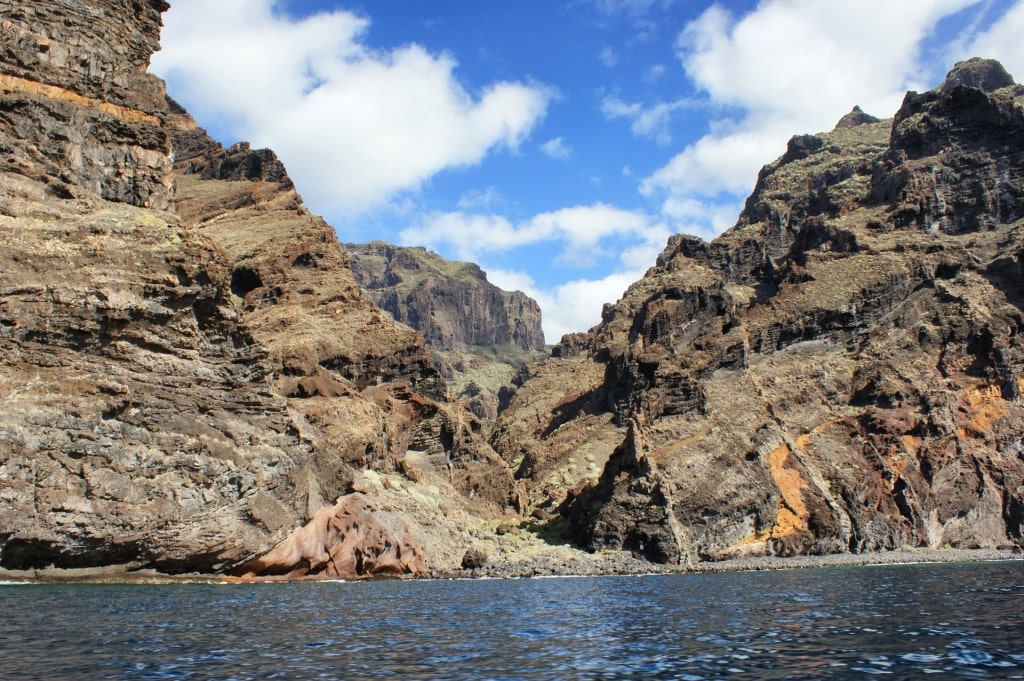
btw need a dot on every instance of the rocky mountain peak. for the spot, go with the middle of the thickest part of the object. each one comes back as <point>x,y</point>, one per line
<point>840,371</point>
<point>854,118</point>
<point>987,75</point>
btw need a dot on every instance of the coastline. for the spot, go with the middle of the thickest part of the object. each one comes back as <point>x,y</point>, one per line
<point>587,565</point>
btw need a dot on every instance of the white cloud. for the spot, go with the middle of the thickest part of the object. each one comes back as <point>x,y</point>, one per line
<point>355,126</point>
<point>573,306</point>
<point>581,230</point>
<point>652,122</point>
<point>699,217</point>
<point>1003,42</point>
<point>556,148</point>
<point>788,67</point>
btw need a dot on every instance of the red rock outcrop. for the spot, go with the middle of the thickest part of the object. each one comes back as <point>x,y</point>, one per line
<point>353,539</point>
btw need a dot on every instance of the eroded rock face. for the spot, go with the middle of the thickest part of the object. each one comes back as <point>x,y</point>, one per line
<point>353,539</point>
<point>182,389</point>
<point>841,371</point>
<point>451,303</point>
<point>480,335</point>
<point>79,112</point>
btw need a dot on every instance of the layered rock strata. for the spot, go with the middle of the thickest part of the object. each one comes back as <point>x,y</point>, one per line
<point>840,371</point>
<point>480,335</point>
<point>451,303</point>
<point>189,374</point>
<point>80,114</point>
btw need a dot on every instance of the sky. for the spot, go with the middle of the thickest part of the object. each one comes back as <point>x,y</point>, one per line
<point>557,143</point>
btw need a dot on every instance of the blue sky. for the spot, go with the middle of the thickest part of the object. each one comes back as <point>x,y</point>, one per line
<point>558,143</point>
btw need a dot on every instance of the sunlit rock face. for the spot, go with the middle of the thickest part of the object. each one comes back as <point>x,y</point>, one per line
<point>480,336</point>
<point>188,371</point>
<point>840,371</point>
<point>80,112</point>
<point>353,539</point>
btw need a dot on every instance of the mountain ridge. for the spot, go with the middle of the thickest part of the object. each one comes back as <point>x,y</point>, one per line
<point>839,372</point>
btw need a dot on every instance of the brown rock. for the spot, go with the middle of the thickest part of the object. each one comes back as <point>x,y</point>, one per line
<point>180,389</point>
<point>840,371</point>
<point>79,112</point>
<point>351,540</point>
<point>474,559</point>
<point>451,303</point>
<point>480,335</point>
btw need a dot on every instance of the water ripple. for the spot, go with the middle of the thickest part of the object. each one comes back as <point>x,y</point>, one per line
<point>844,623</point>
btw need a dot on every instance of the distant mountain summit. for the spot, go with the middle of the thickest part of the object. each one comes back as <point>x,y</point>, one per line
<point>480,335</point>
<point>840,371</point>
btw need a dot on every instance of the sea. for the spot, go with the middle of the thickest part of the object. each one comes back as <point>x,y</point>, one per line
<point>947,621</point>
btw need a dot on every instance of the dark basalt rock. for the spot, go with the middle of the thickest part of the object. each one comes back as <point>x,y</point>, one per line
<point>987,75</point>
<point>840,371</point>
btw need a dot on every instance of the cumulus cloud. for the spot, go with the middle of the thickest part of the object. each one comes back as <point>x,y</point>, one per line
<point>582,232</point>
<point>573,306</point>
<point>356,126</point>
<point>556,148</point>
<point>788,67</point>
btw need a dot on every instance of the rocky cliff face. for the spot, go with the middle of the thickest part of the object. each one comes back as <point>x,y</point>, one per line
<point>191,378</point>
<point>451,303</point>
<point>81,115</point>
<point>840,371</point>
<point>480,335</point>
<point>189,374</point>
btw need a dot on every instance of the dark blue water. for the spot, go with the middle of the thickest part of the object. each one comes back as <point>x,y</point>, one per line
<point>950,621</point>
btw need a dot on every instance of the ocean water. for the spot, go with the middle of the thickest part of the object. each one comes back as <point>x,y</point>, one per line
<point>897,622</point>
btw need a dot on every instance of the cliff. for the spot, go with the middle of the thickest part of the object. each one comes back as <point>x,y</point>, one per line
<point>190,378</point>
<point>839,372</point>
<point>451,303</point>
<point>480,335</point>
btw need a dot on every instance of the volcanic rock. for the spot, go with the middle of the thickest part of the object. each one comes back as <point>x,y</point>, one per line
<point>474,559</point>
<point>350,540</point>
<point>188,370</point>
<point>480,335</point>
<point>839,372</point>
<point>81,116</point>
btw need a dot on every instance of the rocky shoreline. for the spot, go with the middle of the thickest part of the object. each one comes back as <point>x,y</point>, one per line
<point>582,565</point>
